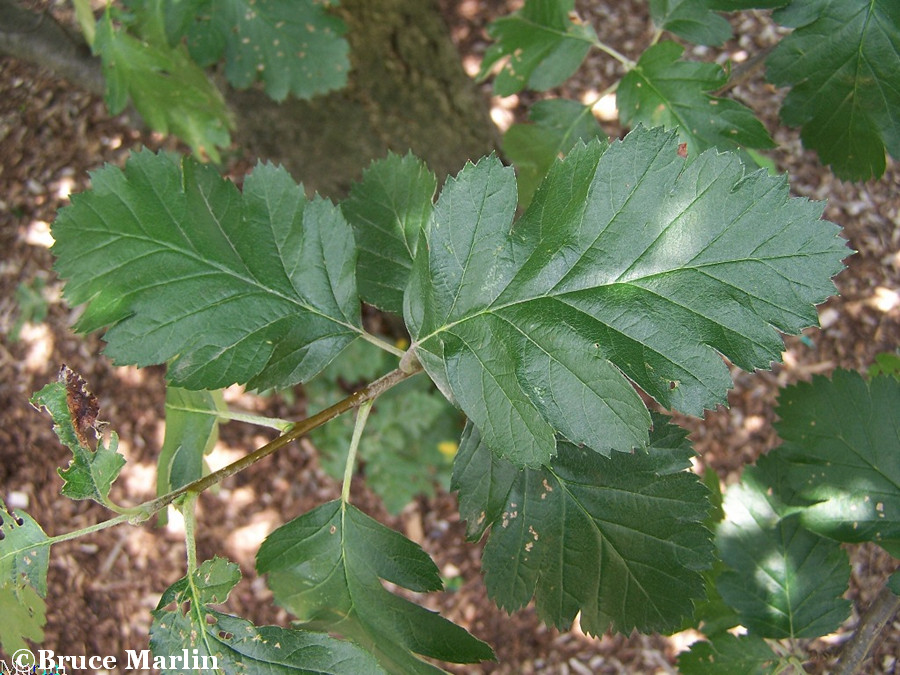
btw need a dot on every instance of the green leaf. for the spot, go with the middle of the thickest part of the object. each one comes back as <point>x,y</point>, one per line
<point>629,263</point>
<point>893,582</point>
<point>24,560</point>
<point>483,481</point>
<point>543,46</point>
<point>726,653</point>
<point>556,126</point>
<point>256,287</point>
<point>388,210</point>
<point>326,567</point>
<point>886,363</point>
<point>843,66</point>
<point>785,581</point>
<point>665,91</point>
<point>168,89</point>
<point>90,473</point>
<point>619,539</point>
<point>192,429</point>
<point>22,617</point>
<point>293,46</point>
<point>841,455</point>
<point>693,20</point>
<point>236,644</point>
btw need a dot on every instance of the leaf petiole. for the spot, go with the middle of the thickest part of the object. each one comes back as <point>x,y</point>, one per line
<point>362,414</point>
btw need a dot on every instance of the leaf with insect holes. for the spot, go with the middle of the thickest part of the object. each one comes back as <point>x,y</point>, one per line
<point>629,265</point>
<point>840,455</point>
<point>619,539</point>
<point>295,47</point>
<point>252,287</point>
<point>554,127</point>
<point>24,560</point>
<point>842,62</point>
<point>326,568</point>
<point>90,473</point>
<point>169,90</point>
<point>784,581</point>
<point>237,645</point>
<point>388,210</point>
<point>662,90</point>
<point>542,43</point>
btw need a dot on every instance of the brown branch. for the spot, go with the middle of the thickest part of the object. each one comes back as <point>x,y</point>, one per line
<point>746,70</point>
<point>879,614</point>
<point>368,393</point>
<point>40,40</point>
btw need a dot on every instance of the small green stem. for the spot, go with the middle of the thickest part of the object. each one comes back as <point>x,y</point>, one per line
<point>382,344</point>
<point>617,55</point>
<point>362,414</point>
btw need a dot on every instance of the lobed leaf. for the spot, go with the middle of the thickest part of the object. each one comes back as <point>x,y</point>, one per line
<point>255,287</point>
<point>542,44</point>
<point>662,90</point>
<point>295,47</point>
<point>785,581</point>
<point>841,455</point>
<point>618,539</point>
<point>629,264</point>
<point>192,627</point>
<point>694,20</point>
<point>168,89</point>
<point>24,560</point>
<point>326,567</point>
<point>556,126</point>
<point>388,210</point>
<point>90,473</point>
<point>842,63</point>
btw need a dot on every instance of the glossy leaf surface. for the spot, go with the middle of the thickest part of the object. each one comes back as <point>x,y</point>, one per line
<point>841,455</point>
<point>785,581</point>
<point>326,567</point>
<point>629,264</point>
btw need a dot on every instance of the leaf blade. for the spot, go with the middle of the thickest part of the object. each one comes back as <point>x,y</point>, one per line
<point>619,539</point>
<point>255,287</point>
<point>663,90</point>
<point>325,567</point>
<point>840,450</point>
<point>629,260</point>
<point>842,63</point>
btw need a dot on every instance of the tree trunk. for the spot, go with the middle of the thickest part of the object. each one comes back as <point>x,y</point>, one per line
<point>407,91</point>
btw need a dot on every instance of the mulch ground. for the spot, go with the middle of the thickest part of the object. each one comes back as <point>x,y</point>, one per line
<point>102,587</point>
